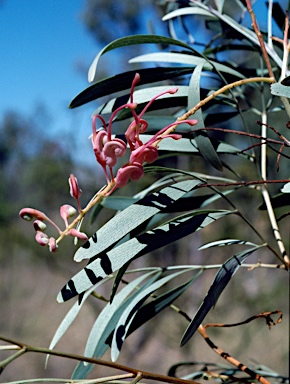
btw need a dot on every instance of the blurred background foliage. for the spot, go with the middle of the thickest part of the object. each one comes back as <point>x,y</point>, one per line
<point>34,170</point>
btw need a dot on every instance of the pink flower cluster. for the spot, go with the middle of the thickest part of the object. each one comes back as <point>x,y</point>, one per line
<point>66,211</point>
<point>107,149</point>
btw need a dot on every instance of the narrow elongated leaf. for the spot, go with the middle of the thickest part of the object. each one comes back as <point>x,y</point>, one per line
<point>190,145</point>
<point>97,343</point>
<point>129,313</point>
<point>148,311</point>
<point>171,231</point>
<point>183,58</point>
<point>142,97</point>
<point>70,317</point>
<point>114,230</point>
<point>221,280</point>
<point>124,80</point>
<point>280,200</point>
<point>221,243</point>
<point>118,203</point>
<point>123,223</point>
<point>250,35</point>
<point>133,40</point>
<point>188,11</point>
<point>204,144</point>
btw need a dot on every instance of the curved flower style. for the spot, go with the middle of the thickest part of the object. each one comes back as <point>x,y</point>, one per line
<point>66,211</point>
<point>107,149</point>
<point>144,153</point>
<point>133,171</point>
<point>139,125</point>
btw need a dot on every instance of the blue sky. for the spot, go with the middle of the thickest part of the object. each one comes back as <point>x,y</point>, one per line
<point>41,43</point>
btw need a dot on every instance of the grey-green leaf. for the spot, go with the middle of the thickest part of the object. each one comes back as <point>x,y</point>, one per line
<point>279,89</point>
<point>132,40</point>
<point>107,320</point>
<point>221,280</point>
<point>129,313</point>
<point>183,58</point>
<point>140,245</point>
<point>221,243</point>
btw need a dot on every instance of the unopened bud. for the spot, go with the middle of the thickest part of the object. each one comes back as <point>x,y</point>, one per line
<point>39,225</point>
<point>80,235</point>
<point>75,191</point>
<point>41,238</point>
<point>67,211</point>
<point>52,244</point>
<point>31,213</point>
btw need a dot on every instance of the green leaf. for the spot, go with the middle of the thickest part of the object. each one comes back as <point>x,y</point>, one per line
<point>185,145</point>
<point>133,40</point>
<point>118,203</point>
<point>70,317</point>
<point>149,310</point>
<point>183,58</point>
<point>123,82</point>
<point>204,144</point>
<point>188,11</point>
<point>129,313</point>
<point>250,35</point>
<point>279,89</point>
<point>221,243</point>
<point>221,280</point>
<point>142,97</point>
<point>140,245</point>
<point>116,229</point>
<point>280,200</point>
<point>136,214</point>
<point>97,343</point>
<point>286,188</point>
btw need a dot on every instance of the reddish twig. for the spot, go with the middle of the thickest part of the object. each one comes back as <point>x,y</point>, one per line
<point>230,359</point>
<point>260,38</point>
<point>265,315</point>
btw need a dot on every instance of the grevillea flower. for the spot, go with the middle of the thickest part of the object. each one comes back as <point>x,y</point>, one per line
<point>66,211</point>
<point>106,148</point>
<point>139,125</point>
<point>145,153</point>
<point>130,171</point>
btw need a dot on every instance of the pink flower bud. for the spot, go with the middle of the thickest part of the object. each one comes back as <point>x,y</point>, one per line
<point>113,149</point>
<point>52,244</point>
<point>66,211</point>
<point>128,172</point>
<point>39,225</point>
<point>75,191</point>
<point>31,213</point>
<point>80,235</point>
<point>41,238</point>
<point>144,153</point>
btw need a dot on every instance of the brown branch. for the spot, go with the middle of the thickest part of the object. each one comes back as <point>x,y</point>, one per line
<point>265,315</point>
<point>136,373</point>
<point>260,38</point>
<point>225,355</point>
<point>230,359</point>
